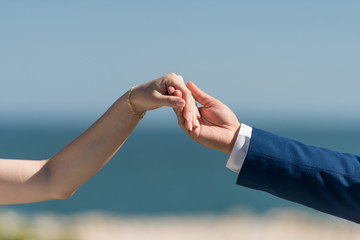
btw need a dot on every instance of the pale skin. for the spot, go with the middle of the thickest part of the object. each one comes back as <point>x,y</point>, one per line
<point>219,126</point>
<point>25,181</point>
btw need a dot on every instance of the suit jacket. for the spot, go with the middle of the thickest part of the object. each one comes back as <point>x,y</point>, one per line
<point>322,179</point>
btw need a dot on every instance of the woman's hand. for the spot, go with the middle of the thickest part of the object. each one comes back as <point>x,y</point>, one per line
<point>154,94</point>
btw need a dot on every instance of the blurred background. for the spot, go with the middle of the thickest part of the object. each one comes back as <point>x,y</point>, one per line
<point>288,67</point>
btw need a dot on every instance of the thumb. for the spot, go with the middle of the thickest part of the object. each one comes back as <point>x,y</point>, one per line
<point>170,101</point>
<point>199,95</point>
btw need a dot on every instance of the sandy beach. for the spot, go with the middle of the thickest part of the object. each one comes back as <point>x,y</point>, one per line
<point>277,224</point>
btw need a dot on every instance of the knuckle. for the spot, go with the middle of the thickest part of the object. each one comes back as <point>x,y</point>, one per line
<point>180,78</point>
<point>171,75</point>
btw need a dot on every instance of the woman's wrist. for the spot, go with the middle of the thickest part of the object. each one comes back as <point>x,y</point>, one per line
<point>136,109</point>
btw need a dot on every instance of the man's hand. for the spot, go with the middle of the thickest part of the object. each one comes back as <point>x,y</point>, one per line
<point>218,124</point>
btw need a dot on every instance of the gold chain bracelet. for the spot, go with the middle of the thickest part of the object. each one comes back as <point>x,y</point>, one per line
<point>136,114</point>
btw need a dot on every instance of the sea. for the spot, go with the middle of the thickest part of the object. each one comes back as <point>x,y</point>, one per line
<point>160,171</point>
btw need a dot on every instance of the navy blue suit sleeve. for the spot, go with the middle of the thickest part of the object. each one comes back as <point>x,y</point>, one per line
<point>319,178</point>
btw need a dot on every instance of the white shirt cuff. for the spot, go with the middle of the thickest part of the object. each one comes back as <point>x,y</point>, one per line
<point>240,149</point>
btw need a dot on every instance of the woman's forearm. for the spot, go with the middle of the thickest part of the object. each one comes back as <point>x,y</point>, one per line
<point>82,158</point>
<point>24,181</point>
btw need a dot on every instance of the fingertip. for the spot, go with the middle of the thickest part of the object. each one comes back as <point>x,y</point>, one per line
<point>190,84</point>
<point>171,90</point>
<point>188,121</point>
<point>197,123</point>
<point>196,132</point>
<point>192,87</point>
<point>178,93</point>
<point>190,125</point>
<point>180,103</point>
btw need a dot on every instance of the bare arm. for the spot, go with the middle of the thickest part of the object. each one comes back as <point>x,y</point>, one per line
<point>23,181</point>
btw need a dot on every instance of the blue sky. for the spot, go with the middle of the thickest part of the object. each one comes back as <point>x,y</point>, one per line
<point>280,60</point>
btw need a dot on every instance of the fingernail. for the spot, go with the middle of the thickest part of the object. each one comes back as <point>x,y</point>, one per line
<point>180,103</point>
<point>190,126</point>
<point>197,124</point>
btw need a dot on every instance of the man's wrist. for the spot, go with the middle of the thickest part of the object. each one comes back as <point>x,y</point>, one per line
<point>233,140</point>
